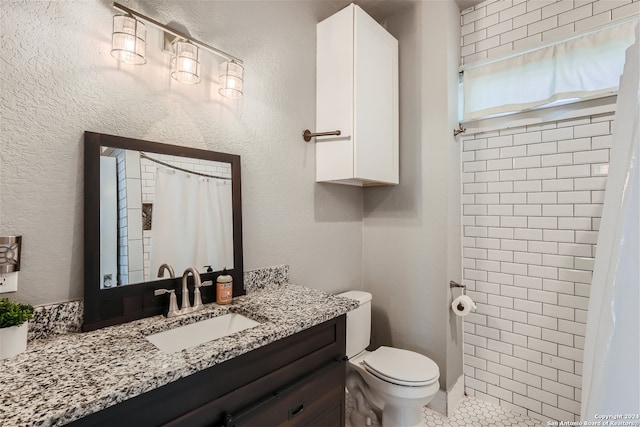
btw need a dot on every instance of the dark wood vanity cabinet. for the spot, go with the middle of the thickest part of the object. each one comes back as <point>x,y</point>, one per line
<point>296,381</point>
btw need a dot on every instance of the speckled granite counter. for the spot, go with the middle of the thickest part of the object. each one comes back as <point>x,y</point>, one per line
<point>69,376</point>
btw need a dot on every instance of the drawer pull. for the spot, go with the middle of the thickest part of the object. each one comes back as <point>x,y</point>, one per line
<point>295,410</point>
<point>229,421</point>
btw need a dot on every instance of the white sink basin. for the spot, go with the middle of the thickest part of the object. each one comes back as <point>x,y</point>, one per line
<point>188,336</point>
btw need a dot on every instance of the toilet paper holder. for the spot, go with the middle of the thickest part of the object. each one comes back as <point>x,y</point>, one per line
<point>453,284</point>
<point>463,304</point>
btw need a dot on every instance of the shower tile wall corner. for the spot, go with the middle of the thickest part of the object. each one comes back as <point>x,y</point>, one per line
<point>532,200</point>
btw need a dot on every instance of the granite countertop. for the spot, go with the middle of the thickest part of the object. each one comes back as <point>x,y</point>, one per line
<point>67,377</point>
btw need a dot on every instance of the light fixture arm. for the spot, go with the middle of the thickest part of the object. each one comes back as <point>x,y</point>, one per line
<point>176,33</point>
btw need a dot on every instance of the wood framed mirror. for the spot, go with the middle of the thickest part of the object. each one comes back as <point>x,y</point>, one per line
<point>148,204</point>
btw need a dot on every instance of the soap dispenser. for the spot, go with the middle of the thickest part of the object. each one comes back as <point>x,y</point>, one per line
<point>224,288</point>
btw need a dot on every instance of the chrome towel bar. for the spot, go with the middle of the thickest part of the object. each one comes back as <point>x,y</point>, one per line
<point>307,134</point>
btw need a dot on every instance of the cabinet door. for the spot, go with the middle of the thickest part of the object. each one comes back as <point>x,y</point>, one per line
<point>334,96</point>
<point>357,93</point>
<point>308,401</point>
<point>375,101</point>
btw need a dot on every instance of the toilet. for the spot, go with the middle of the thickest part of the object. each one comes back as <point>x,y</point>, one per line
<point>389,385</point>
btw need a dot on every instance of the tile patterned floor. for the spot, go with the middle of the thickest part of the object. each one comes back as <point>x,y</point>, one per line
<point>470,412</point>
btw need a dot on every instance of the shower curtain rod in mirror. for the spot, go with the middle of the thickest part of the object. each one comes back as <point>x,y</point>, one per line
<point>144,156</point>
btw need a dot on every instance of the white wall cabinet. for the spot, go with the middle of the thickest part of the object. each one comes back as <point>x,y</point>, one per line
<point>356,93</point>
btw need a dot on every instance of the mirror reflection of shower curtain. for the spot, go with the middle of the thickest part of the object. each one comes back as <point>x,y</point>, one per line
<point>196,212</point>
<point>611,370</point>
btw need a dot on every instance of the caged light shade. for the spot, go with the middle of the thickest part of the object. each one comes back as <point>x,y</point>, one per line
<point>185,64</point>
<point>231,79</point>
<point>128,40</point>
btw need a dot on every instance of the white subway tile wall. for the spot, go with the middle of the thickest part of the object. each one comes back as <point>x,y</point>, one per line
<point>123,244</point>
<point>530,231</point>
<point>497,28</point>
<point>532,201</point>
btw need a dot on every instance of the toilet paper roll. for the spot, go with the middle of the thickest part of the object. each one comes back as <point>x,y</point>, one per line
<point>463,305</point>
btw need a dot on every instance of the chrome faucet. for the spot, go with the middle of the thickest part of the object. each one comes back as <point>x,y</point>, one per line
<point>168,268</point>
<point>185,307</point>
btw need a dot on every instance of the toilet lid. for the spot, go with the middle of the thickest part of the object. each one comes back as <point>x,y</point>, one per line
<point>402,367</point>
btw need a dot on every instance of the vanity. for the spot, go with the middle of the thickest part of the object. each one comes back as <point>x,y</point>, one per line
<point>297,380</point>
<point>288,370</point>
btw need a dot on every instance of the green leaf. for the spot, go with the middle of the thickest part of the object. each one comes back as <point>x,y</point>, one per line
<point>14,313</point>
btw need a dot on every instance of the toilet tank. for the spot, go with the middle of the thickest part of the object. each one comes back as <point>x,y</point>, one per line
<point>358,322</point>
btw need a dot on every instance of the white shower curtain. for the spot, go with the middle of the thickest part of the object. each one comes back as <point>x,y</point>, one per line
<point>192,222</point>
<point>611,370</point>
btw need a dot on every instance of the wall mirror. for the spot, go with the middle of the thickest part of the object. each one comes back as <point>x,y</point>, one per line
<point>149,204</point>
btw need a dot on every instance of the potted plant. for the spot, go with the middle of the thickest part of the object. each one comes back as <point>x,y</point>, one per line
<point>14,323</point>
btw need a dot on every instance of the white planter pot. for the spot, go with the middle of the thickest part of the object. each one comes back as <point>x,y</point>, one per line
<point>13,340</point>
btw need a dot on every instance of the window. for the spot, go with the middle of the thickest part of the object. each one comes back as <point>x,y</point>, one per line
<point>584,67</point>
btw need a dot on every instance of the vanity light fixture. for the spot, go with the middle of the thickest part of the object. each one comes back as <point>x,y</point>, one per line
<point>185,61</point>
<point>10,247</point>
<point>129,40</point>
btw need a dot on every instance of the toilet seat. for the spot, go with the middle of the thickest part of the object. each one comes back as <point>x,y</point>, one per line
<point>401,367</point>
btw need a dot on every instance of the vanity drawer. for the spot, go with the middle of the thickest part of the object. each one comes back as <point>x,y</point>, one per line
<point>317,399</point>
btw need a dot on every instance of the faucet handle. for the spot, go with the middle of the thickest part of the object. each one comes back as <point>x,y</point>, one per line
<point>197,299</point>
<point>173,302</point>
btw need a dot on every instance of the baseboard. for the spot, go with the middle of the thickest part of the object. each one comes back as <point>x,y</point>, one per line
<point>455,395</point>
<point>445,402</point>
<point>439,402</point>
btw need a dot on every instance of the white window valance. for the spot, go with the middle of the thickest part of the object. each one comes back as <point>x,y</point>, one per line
<point>581,68</point>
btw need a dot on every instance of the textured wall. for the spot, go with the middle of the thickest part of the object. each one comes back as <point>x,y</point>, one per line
<point>58,79</point>
<point>411,231</point>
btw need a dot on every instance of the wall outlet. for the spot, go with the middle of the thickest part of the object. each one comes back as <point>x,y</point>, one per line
<point>8,282</point>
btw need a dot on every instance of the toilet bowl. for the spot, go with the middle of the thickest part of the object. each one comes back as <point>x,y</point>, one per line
<point>398,384</point>
<point>390,385</point>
